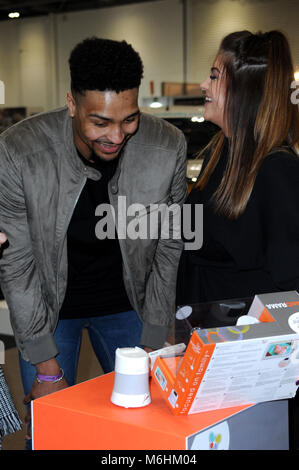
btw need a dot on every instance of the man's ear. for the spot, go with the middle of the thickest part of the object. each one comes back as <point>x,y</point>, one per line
<point>71,104</point>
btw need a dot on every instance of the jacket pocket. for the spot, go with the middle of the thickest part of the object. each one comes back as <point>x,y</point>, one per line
<point>153,207</point>
<point>151,222</point>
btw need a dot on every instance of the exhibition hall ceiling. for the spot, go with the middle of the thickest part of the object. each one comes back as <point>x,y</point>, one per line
<point>28,8</point>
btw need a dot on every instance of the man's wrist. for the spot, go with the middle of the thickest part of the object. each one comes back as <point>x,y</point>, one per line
<point>41,378</point>
<point>50,367</point>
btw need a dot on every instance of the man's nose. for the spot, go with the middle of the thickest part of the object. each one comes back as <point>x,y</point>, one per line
<point>116,134</point>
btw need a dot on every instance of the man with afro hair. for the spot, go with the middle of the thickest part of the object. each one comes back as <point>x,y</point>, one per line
<point>57,168</point>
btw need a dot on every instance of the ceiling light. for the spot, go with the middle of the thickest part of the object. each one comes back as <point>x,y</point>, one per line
<point>156,104</point>
<point>14,14</point>
<point>296,75</point>
<point>197,119</point>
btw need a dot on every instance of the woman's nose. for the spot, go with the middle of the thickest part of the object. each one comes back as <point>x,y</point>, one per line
<point>205,84</point>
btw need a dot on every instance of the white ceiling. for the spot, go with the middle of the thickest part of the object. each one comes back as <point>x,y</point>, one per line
<point>28,8</point>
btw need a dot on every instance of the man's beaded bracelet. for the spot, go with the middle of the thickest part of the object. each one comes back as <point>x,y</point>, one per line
<point>40,378</point>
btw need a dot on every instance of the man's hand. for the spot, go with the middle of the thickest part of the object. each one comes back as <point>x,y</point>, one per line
<point>38,390</point>
<point>50,367</point>
<point>3,238</point>
<point>3,242</point>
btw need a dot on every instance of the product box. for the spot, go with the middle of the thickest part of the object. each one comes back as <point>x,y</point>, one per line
<point>236,365</point>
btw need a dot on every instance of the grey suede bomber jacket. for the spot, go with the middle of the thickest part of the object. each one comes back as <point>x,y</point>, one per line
<point>41,178</point>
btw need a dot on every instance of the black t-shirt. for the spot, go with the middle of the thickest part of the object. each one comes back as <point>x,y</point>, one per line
<point>95,284</point>
<point>256,253</point>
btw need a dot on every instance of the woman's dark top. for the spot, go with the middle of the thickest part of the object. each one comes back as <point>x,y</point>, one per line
<point>256,253</point>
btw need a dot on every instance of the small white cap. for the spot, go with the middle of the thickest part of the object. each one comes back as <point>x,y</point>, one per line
<point>247,320</point>
<point>131,361</point>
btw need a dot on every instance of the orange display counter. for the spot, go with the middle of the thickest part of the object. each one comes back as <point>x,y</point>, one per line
<point>82,417</point>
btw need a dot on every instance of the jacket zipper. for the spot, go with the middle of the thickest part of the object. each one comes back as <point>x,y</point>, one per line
<point>124,258</point>
<point>61,247</point>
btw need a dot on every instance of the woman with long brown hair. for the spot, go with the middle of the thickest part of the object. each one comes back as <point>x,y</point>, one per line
<point>249,182</point>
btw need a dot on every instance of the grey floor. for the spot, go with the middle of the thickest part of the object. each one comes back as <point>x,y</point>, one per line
<point>88,368</point>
